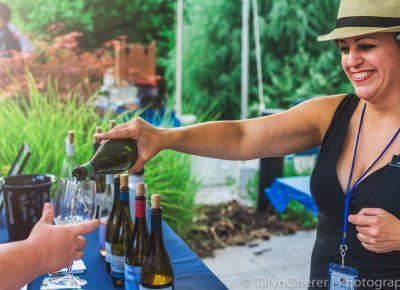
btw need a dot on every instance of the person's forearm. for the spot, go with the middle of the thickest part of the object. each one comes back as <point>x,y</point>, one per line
<point>19,264</point>
<point>221,140</point>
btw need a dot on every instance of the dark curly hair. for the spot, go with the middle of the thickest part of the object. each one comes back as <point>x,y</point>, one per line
<point>5,12</point>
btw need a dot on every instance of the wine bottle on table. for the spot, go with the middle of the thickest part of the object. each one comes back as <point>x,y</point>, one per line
<point>139,242</point>
<point>105,209</point>
<point>69,162</point>
<point>113,156</point>
<point>122,235</point>
<point>156,272</point>
<point>134,179</point>
<point>112,222</point>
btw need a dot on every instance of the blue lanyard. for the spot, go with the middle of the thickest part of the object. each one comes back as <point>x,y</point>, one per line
<point>349,191</point>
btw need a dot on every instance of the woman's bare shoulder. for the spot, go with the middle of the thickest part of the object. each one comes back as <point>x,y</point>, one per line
<point>321,110</point>
<point>328,102</point>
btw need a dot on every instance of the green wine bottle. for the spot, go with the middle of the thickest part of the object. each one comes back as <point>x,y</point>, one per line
<point>113,156</point>
<point>112,223</point>
<point>138,244</point>
<point>122,235</point>
<point>156,272</point>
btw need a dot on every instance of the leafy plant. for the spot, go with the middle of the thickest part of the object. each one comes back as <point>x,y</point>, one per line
<point>101,21</point>
<point>252,188</point>
<point>42,121</point>
<point>298,213</point>
<point>294,64</point>
<point>169,174</point>
<point>62,61</point>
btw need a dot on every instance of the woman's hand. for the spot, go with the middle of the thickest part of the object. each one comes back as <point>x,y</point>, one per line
<point>149,138</point>
<point>378,230</point>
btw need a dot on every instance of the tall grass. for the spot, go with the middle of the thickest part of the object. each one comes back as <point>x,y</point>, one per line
<point>42,121</point>
<point>169,174</point>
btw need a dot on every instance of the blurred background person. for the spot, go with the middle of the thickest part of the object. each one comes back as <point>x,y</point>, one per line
<point>8,41</point>
<point>25,44</point>
<point>11,38</point>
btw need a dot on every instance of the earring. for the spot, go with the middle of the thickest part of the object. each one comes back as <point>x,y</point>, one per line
<point>398,37</point>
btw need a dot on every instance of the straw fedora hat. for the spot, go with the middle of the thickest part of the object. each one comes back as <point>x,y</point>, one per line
<point>360,17</point>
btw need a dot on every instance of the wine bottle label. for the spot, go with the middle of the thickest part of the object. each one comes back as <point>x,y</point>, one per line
<point>102,235</point>
<point>123,196</point>
<point>132,277</point>
<point>108,252</point>
<point>118,264</point>
<point>140,206</point>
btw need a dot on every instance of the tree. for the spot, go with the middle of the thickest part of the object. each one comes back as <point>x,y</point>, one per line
<point>295,65</point>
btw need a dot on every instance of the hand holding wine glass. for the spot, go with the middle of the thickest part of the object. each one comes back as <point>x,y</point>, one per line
<point>74,203</point>
<point>46,239</point>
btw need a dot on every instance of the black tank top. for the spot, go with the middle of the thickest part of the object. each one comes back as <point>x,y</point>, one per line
<point>381,189</point>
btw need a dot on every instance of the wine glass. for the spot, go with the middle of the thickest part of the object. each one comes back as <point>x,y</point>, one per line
<point>75,202</point>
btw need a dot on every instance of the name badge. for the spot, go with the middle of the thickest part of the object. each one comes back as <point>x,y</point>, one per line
<point>342,278</point>
<point>395,161</point>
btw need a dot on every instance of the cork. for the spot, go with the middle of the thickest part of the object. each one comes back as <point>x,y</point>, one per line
<point>112,124</point>
<point>71,137</point>
<point>98,130</point>
<point>155,201</point>
<point>123,180</point>
<point>140,189</point>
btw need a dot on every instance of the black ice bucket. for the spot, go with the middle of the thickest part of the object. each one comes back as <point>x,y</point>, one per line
<point>24,197</point>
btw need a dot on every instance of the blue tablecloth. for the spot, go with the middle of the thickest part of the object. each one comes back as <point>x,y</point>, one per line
<point>189,270</point>
<point>285,189</point>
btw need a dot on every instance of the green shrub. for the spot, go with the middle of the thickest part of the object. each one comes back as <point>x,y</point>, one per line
<point>101,21</point>
<point>296,212</point>
<point>252,188</point>
<point>42,121</point>
<point>169,174</point>
<point>294,64</point>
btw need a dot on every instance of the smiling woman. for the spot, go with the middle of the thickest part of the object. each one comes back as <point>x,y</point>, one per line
<point>354,183</point>
<point>371,62</point>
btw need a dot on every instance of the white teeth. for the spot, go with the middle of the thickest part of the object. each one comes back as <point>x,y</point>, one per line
<point>361,75</point>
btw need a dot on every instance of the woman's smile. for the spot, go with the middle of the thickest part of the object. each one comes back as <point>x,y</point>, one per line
<point>361,76</point>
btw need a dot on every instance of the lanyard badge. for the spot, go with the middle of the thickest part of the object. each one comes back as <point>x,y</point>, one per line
<point>341,276</point>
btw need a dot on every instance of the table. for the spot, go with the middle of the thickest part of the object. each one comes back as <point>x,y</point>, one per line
<point>285,189</point>
<point>189,271</point>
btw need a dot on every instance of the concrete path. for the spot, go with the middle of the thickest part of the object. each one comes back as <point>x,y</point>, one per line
<point>280,263</point>
<point>283,262</point>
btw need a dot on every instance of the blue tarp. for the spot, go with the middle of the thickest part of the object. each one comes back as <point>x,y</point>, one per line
<point>283,190</point>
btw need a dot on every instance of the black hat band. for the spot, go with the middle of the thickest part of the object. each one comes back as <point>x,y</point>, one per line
<point>367,21</point>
